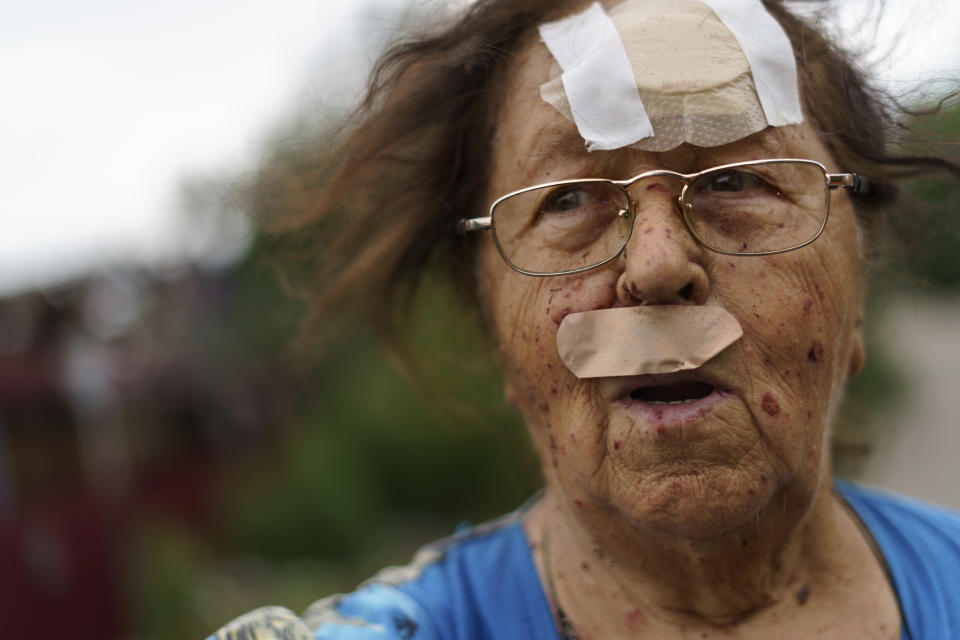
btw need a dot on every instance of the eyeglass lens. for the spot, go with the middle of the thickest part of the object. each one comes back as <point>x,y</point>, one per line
<point>761,207</point>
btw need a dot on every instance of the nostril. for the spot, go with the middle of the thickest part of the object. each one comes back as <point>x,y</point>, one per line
<point>687,292</point>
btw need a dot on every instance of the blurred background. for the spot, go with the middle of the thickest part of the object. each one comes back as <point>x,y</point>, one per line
<point>167,459</point>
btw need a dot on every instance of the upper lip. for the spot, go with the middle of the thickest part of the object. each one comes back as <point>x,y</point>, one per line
<point>614,389</point>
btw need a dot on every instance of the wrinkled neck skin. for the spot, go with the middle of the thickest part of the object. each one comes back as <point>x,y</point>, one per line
<point>717,581</point>
<point>769,577</point>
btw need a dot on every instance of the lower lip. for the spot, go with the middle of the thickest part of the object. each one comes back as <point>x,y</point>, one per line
<point>664,415</point>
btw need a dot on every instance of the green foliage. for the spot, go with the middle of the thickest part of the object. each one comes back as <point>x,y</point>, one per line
<point>926,230</point>
<point>164,581</point>
<point>372,446</point>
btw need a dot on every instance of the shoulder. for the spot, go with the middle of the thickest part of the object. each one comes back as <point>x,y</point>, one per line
<point>920,544</point>
<point>479,583</point>
<point>902,522</point>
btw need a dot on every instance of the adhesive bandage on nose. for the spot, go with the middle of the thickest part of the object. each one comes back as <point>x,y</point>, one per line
<point>628,341</point>
<point>654,74</point>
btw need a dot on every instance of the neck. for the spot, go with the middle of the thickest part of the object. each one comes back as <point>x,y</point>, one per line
<point>606,571</point>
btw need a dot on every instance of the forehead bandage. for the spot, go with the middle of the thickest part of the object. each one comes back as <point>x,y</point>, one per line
<point>654,74</point>
<point>628,341</point>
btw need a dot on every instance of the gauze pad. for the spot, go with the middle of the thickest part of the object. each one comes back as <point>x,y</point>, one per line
<point>628,341</point>
<point>707,72</point>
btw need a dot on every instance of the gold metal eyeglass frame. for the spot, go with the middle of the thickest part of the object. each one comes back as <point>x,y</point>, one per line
<point>850,181</point>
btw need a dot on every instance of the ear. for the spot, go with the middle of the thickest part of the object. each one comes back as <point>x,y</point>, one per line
<point>858,353</point>
<point>510,392</point>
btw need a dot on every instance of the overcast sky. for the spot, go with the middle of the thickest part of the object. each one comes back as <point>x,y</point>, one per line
<point>106,105</point>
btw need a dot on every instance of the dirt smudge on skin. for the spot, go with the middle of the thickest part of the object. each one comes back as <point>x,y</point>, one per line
<point>803,595</point>
<point>770,405</point>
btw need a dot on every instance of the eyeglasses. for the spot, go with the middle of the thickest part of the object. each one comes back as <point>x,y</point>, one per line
<point>754,208</point>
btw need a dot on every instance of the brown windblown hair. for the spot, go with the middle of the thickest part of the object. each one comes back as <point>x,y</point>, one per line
<point>360,220</point>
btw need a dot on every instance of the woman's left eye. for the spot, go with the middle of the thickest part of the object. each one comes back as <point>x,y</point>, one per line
<point>732,181</point>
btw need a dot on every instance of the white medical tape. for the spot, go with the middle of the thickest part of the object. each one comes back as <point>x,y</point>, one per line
<point>768,50</point>
<point>598,79</point>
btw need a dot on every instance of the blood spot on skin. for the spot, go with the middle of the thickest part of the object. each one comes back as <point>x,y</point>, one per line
<point>633,618</point>
<point>573,439</point>
<point>668,232</point>
<point>553,450</point>
<point>659,414</point>
<point>578,502</point>
<point>807,304</point>
<point>617,444</point>
<point>819,291</point>
<point>648,231</point>
<point>770,405</point>
<point>661,431</point>
<point>731,265</point>
<point>803,595</point>
<point>816,352</point>
<point>763,478</point>
<point>585,565</point>
<point>544,407</point>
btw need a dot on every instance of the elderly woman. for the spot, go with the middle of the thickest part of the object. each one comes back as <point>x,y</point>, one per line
<point>661,211</point>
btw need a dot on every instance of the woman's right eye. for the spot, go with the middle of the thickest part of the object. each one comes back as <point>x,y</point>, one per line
<point>567,199</point>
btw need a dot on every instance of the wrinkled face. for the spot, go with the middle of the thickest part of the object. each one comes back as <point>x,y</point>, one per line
<point>756,429</point>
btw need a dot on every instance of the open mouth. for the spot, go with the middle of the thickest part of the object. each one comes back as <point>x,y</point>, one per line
<point>677,393</point>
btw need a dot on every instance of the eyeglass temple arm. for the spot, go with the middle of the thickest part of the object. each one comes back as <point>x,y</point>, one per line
<point>465,225</point>
<point>851,181</point>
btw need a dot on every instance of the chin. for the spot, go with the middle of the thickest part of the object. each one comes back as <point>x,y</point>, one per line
<point>698,504</point>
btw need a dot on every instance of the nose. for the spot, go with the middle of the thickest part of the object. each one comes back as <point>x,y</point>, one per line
<point>662,261</point>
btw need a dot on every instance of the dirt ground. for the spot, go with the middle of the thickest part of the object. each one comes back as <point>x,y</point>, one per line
<point>920,447</point>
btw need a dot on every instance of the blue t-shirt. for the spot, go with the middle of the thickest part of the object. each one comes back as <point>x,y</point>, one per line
<point>482,584</point>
